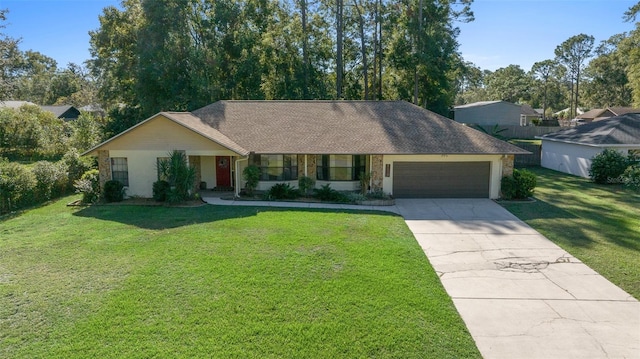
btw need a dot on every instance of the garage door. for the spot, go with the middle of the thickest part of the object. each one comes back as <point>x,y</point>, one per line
<point>441,179</point>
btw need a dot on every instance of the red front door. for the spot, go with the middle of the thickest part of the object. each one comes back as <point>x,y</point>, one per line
<point>223,171</point>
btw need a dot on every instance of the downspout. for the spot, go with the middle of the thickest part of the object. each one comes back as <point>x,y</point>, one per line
<point>237,189</point>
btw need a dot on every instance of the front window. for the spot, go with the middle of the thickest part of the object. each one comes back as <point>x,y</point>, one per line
<point>120,170</point>
<point>340,167</point>
<point>277,167</point>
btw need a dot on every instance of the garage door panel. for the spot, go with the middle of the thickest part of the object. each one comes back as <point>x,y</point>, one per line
<point>441,179</point>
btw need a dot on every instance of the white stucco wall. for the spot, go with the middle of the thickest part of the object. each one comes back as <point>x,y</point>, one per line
<point>571,158</point>
<point>496,167</point>
<point>208,170</point>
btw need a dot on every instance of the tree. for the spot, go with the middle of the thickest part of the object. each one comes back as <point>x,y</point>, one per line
<point>573,53</point>
<point>11,61</point>
<point>510,84</point>
<point>608,83</point>
<point>543,71</point>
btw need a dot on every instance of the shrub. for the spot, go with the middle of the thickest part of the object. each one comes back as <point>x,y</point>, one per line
<point>89,186</point>
<point>180,175</point>
<point>306,185</point>
<point>161,190</point>
<point>326,193</point>
<point>75,166</point>
<point>51,179</point>
<point>251,175</point>
<point>364,182</point>
<point>520,185</point>
<point>377,194</point>
<point>113,191</point>
<point>631,177</point>
<point>17,184</point>
<point>608,166</point>
<point>282,191</point>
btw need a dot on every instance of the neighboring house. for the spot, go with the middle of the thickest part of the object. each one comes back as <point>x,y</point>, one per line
<point>67,113</point>
<point>490,113</point>
<point>571,150</point>
<point>409,151</point>
<point>600,113</point>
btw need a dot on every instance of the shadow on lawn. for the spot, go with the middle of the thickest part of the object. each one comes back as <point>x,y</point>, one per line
<point>160,217</point>
<point>580,222</point>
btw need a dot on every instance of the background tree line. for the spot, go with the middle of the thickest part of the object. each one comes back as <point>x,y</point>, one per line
<point>582,74</point>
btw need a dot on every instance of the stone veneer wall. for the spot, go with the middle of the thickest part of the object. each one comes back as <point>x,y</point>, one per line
<point>377,172</point>
<point>507,165</point>
<point>104,167</point>
<point>300,166</point>
<point>311,166</point>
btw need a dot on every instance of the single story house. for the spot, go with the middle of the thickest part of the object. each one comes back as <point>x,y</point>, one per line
<point>491,113</point>
<point>571,150</point>
<point>409,151</point>
<point>597,114</point>
<point>64,112</point>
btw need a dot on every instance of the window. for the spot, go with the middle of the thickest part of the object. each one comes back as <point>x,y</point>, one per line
<point>277,167</point>
<point>120,170</point>
<point>340,167</point>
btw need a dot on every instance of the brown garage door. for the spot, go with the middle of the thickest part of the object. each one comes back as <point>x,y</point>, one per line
<point>441,179</point>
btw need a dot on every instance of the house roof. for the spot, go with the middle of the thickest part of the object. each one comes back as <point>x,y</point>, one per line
<point>345,127</point>
<point>64,111</point>
<point>528,111</point>
<point>596,112</point>
<point>618,130</point>
<point>331,127</point>
<point>478,104</point>
<point>15,104</point>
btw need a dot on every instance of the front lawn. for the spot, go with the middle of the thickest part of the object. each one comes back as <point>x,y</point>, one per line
<point>244,282</point>
<point>599,224</point>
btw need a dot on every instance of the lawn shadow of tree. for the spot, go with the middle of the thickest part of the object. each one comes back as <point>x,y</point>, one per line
<point>163,217</point>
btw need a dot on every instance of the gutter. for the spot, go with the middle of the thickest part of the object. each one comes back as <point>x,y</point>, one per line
<point>237,189</point>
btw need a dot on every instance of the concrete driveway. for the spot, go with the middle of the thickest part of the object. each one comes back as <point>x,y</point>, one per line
<point>520,295</point>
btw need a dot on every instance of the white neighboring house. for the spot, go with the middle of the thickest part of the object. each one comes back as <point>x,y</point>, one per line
<point>571,150</point>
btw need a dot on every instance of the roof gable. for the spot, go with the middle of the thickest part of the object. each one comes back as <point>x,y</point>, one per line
<point>619,130</point>
<point>183,120</point>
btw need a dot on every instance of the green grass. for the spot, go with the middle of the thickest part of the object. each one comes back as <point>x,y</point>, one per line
<point>598,224</point>
<point>225,282</point>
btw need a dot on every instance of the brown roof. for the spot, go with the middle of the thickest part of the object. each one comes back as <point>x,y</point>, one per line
<point>343,127</point>
<point>192,122</point>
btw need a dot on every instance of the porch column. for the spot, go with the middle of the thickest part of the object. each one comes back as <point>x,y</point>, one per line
<point>507,165</point>
<point>376,172</point>
<point>104,167</point>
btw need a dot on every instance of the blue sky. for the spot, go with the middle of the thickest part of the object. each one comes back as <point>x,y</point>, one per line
<point>504,32</point>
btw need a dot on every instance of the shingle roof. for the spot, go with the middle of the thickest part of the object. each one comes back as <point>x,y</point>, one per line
<point>624,110</point>
<point>619,130</point>
<point>596,112</point>
<point>344,127</point>
<point>59,111</point>
<point>476,104</point>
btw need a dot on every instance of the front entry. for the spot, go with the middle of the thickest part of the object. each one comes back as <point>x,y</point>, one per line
<point>223,171</point>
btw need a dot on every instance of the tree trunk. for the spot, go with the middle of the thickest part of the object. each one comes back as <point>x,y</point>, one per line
<point>363,49</point>
<point>305,45</point>
<point>339,45</point>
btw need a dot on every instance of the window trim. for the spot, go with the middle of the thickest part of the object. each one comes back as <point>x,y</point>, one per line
<point>123,176</point>
<point>323,167</point>
<point>284,172</point>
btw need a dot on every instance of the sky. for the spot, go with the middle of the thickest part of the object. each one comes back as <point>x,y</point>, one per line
<point>504,32</point>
